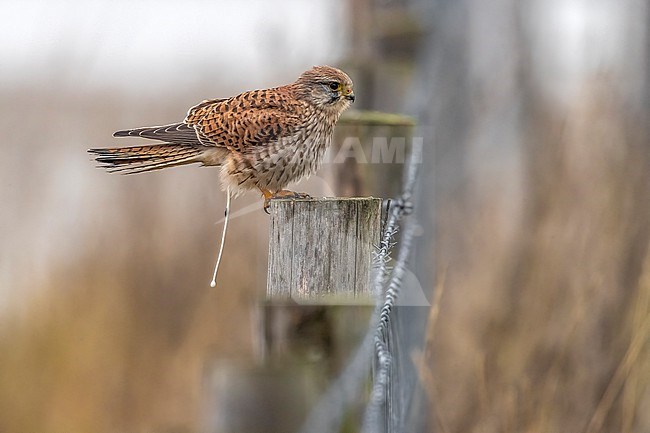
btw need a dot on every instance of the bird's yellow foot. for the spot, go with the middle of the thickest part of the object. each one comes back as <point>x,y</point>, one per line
<point>285,193</point>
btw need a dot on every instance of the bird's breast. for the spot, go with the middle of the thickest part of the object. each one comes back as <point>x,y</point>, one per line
<point>285,160</point>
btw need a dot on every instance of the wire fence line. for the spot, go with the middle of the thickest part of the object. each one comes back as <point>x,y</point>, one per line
<point>380,414</point>
<point>375,348</point>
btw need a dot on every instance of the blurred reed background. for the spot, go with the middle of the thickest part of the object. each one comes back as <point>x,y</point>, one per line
<point>533,205</point>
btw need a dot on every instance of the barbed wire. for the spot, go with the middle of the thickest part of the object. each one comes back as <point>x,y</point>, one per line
<point>329,413</point>
<point>377,413</point>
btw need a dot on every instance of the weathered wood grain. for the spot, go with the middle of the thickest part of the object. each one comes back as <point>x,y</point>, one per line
<point>321,250</point>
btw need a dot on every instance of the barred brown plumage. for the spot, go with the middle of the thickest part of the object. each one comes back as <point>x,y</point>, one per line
<point>261,139</point>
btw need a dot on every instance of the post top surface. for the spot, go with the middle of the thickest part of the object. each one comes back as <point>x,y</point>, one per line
<point>324,199</point>
<point>375,118</point>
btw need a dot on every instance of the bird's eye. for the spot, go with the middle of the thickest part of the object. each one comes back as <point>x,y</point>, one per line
<point>334,86</point>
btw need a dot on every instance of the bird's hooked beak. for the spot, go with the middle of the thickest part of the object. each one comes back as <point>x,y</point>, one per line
<point>348,93</point>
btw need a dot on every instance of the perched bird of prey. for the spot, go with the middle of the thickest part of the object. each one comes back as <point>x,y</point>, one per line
<point>261,140</point>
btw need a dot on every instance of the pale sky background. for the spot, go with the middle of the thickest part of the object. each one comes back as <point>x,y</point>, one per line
<point>146,43</point>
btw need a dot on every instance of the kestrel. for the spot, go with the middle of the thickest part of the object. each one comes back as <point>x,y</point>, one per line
<point>261,139</point>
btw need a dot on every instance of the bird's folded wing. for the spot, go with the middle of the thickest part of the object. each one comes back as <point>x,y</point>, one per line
<point>251,119</point>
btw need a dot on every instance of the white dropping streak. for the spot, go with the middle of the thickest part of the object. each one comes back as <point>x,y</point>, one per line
<point>223,239</point>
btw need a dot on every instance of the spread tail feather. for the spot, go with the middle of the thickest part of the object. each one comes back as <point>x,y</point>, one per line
<point>138,159</point>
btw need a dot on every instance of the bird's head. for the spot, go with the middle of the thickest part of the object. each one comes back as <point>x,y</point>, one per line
<point>326,87</point>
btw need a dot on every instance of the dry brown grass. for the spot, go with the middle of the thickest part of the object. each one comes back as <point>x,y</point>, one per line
<point>112,319</point>
<point>545,319</point>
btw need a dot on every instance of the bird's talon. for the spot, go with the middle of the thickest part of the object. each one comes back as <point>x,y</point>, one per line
<point>282,194</point>
<point>285,193</point>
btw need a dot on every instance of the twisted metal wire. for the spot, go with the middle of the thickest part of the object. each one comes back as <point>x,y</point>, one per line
<point>329,413</point>
<point>379,415</point>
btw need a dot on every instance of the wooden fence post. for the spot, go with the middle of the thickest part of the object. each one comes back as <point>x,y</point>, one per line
<point>318,288</point>
<point>321,250</point>
<point>368,154</point>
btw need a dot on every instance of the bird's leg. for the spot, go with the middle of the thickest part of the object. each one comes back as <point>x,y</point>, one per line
<point>267,197</point>
<point>285,193</point>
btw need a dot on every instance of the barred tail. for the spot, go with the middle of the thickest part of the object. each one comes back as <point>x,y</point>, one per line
<point>138,159</point>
